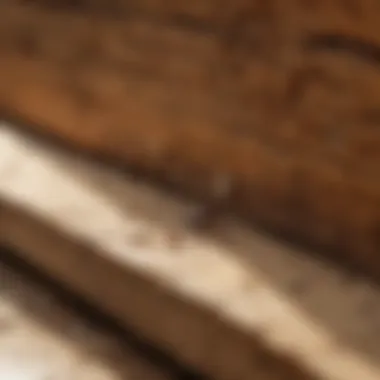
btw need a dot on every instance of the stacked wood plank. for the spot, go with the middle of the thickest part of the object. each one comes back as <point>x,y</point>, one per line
<point>41,337</point>
<point>232,304</point>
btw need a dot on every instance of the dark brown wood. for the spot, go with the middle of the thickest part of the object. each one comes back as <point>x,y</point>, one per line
<point>279,101</point>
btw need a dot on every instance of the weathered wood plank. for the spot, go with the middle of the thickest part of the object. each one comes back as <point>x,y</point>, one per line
<point>234,304</point>
<point>41,338</point>
<point>280,100</point>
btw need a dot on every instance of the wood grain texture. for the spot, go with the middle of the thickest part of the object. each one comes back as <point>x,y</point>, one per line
<point>42,338</point>
<point>279,101</point>
<point>234,304</point>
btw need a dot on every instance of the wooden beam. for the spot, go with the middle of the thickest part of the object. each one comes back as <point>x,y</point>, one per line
<point>280,101</point>
<point>42,337</point>
<point>233,304</point>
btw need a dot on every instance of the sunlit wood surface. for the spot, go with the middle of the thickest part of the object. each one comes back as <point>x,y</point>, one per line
<point>42,338</point>
<point>229,302</point>
<point>278,100</point>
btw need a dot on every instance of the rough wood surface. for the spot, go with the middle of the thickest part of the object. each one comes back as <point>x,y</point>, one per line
<point>41,338</point>
<point>278,99</point>
<point>233,304</point>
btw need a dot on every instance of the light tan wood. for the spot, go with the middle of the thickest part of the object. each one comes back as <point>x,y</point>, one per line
<point>41,338</point>
<point>234,304</point>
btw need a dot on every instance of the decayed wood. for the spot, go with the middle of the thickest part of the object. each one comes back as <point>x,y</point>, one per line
<point>234,305</point>
<point>278,100</point>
